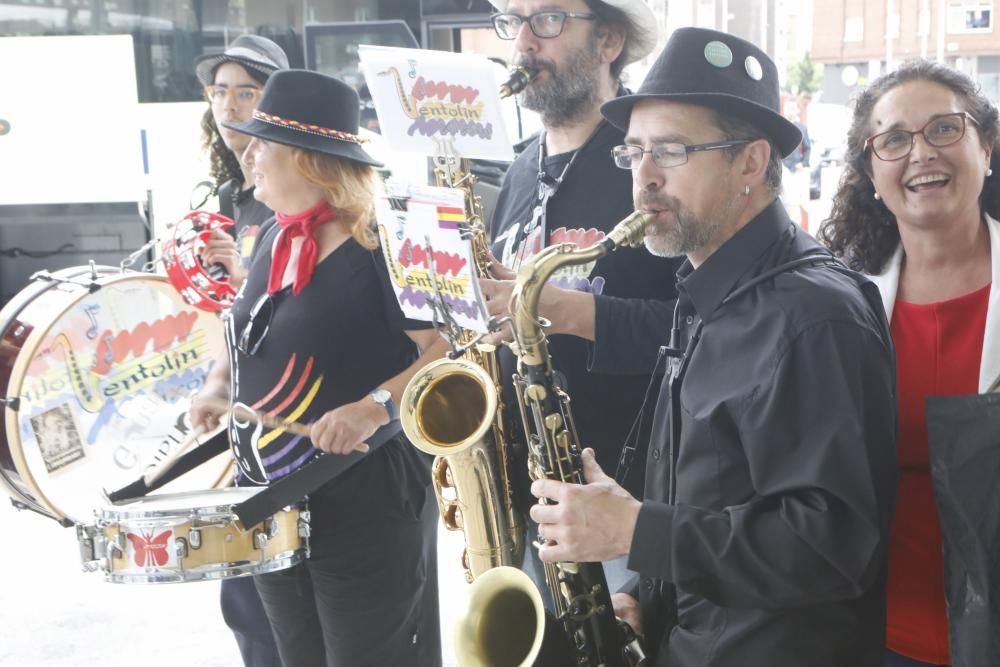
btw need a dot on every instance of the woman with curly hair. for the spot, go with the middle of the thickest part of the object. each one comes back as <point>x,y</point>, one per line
<point>917,209</point>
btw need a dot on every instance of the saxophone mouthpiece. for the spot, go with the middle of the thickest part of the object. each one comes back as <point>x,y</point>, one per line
<point>518,81</point>
<point>630,231</point>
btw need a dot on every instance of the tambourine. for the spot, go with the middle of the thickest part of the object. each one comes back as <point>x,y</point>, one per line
<point>200,286</point>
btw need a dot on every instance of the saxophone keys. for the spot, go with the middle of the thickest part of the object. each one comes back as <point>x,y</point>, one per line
<point>535,392</point>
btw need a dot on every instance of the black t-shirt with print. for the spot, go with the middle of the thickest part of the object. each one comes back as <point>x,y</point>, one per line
<point>339,338</point>
<point>250,214</point>
<point>594,196</point>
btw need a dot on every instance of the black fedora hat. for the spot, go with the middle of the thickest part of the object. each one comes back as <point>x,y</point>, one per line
<point>309,110</point>
<point>252,51</point>
<point>716,70</point>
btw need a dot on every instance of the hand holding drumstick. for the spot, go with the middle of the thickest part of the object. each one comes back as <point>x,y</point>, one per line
<point>220,407</point>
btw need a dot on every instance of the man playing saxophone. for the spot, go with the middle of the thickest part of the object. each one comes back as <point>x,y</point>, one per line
<point>565,187</point>
<point>770,475</point>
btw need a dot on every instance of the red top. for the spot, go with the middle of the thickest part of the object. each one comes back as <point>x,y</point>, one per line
<point>938,352</point>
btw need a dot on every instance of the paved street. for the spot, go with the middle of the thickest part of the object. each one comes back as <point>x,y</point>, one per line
<point>53,614</point>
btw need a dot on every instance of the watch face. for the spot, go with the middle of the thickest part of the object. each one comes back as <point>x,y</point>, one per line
<point>381,395</point>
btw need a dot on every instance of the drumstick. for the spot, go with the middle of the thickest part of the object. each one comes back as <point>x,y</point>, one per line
<point>267,420</point>
<point>166,464</point>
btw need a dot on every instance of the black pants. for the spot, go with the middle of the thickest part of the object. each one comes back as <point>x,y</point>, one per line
<point>244,614</point>
<point>361,604</point>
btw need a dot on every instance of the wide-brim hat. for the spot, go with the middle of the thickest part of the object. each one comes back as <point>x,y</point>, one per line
<point>641,42</point>
<point>309,110</point>
<point>716,70</point>
<point>252,51</point>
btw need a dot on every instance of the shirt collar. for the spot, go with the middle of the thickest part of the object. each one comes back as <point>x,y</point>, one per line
<point>709,284</point>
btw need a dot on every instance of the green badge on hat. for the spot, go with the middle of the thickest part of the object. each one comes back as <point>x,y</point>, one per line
<point>718,54</point>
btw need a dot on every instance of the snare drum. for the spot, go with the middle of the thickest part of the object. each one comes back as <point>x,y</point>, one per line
<point>194,536</point>
<point>98,367</point>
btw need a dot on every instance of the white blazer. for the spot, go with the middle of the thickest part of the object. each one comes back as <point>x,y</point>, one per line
<point>989,370</point>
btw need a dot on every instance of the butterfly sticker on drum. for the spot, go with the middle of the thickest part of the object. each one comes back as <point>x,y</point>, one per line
<point>147,550</point>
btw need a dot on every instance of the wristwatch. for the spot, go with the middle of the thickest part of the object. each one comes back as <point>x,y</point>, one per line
<point>384,398</point>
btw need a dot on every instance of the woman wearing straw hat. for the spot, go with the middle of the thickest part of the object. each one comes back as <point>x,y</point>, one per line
<point>316,336</point>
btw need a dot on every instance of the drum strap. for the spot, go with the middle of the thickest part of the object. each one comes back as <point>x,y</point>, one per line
<point>228,192</point>
<point>296,486</point>
<point>189,461</point>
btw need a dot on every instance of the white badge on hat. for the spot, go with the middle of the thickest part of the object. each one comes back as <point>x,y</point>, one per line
<point>753,68</point>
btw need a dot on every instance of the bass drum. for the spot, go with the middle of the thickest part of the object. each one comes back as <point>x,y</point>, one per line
<point>99,367</point>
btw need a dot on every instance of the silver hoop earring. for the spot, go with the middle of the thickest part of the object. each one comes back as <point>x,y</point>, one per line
<point>877,196</point>
<point>746,190</point>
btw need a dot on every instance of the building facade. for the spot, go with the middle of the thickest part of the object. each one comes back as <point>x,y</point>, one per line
<point>858,40</point>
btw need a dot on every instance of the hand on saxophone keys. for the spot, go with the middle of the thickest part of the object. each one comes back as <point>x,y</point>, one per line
<point>590,522</point>
<point>496,292</point>
<point>628,611</point>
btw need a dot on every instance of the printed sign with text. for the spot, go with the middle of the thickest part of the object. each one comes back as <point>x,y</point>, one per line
<point>436,103</point>
<point>420,229</point>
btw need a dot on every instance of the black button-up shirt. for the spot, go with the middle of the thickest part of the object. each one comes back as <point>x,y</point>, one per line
<point>773,546</point>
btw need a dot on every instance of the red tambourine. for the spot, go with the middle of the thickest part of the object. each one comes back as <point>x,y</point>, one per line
<point>202,287</point>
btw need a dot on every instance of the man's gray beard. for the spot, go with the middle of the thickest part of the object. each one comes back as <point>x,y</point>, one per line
<point>570,92</point>
<point>686,235</point>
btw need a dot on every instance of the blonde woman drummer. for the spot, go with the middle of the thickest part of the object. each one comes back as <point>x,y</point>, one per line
<point>316,336</point>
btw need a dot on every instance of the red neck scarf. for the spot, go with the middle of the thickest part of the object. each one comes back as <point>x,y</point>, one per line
<point>300,224</point>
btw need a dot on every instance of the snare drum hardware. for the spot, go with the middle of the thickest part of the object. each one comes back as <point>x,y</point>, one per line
<point>182,537</point>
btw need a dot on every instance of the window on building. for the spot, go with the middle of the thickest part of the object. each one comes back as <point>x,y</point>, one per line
<point>989,84</point>
<point>970,16</point>
<point>854,29</point>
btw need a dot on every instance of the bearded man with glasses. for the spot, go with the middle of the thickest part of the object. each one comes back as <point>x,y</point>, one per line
<point>564,187</point>
<point>762,536</point>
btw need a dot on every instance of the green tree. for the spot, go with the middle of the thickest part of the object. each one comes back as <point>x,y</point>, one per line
<point>803,77</point>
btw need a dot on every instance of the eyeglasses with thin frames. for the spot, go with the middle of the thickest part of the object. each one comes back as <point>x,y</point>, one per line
<point>259,323</point>
<point>244,94</point>
<point>941,131</point>
<point>545,25</point>
<point>667,155</point>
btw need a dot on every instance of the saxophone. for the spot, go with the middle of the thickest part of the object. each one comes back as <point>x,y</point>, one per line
<point>506,623</point>
<point>452,409</point>
<point>579,590</point>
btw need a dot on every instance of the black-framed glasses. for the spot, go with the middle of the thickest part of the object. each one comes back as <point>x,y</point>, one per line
<point>666,155</point>
<point>243,95</point>
<point>545,25</point>
<point>939,132</point>
<point>256,328</point>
